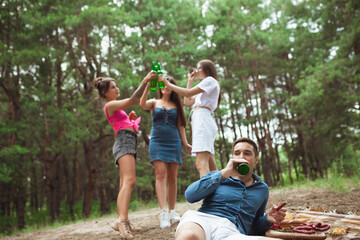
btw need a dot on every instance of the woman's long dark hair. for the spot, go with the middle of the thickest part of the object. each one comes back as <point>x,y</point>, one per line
<point>102,84</point>
<point>209,69</point>
<point>176,99</point>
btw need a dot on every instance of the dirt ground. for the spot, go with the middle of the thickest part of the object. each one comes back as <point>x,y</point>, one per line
<point>147,220</point>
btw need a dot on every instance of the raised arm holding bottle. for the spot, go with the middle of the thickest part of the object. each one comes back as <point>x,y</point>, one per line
<point>124,149</point>
<point>167,134</point>
<point>205,98</point>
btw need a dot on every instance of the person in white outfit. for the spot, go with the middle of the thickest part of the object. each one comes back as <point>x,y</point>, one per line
<point>205,97</point>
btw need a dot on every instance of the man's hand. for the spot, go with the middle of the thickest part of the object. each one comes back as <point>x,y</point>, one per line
<point>229,170</point>
<point>276,216</point>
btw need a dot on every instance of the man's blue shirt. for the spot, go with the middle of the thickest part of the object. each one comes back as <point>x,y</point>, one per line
<point>231,199</point>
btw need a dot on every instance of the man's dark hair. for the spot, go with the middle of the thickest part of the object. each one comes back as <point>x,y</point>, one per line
<point>247,140</point>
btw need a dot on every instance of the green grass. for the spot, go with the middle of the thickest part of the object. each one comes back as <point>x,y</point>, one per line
<point>334,183</point>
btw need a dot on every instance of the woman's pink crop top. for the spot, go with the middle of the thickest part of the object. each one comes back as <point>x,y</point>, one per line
<point>120,120</point>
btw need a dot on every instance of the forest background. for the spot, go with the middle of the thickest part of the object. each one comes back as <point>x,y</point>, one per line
<point>289,75</point>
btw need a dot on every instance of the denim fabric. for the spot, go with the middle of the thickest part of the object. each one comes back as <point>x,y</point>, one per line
<point>165,143</point>
<point>231,199</point>
<point>125,143</point>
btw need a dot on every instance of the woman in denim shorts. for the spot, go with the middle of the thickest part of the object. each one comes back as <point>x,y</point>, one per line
<point>124,148</point>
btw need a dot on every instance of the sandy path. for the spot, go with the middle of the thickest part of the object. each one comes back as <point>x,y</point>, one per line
<point>147,220</point>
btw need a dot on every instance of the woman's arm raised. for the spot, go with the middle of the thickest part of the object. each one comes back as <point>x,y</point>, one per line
<point>144,103</point>
<point>181,91</point>
<point>113,106</point>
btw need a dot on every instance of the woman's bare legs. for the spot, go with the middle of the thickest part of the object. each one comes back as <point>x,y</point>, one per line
<point>212,163</point>
<point>202,163</point>
<point>172,173</point>
<point>205,162</point>
<point>160,184</point>
<point>127,183</point>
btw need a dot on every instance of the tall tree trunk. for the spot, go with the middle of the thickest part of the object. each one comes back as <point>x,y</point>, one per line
<point>34,202</point>
<point>278,164</point>
<point>59,192</point>
<point>77,174</point>
<point>12,90</point>
<point>49,170</point>
<point>69,187</point>
<point>223,143</point>
<point>286,145</point>
<point>294,159</point>
<point>104,199</point>
<point>232,117</point>
<point>262,140</point>
<point>304,157</point>
<point>20,198</point>
<point>5,203</point>
<point>267,162</point>
<point>90,184</point>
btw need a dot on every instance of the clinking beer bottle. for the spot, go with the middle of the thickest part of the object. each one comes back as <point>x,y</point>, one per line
<point>160,83</point>
<point>154,80</point>
<point>243,168</point>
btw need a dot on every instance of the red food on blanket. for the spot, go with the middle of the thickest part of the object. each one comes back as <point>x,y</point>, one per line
<point>303,231</point>
<point>322,227</point>
<point>310,228</point>
<point>275,226</point>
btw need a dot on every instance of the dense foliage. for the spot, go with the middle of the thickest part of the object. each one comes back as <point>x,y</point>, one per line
<point>289,73</point>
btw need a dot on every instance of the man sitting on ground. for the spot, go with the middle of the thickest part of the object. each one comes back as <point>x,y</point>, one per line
<point>233,205</point>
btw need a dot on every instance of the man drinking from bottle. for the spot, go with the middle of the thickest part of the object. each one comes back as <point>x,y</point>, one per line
<point>233,204</point>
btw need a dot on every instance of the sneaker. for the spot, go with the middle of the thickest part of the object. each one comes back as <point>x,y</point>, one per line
<point>164,219</point>
<point>174,217</point>
<point>125,229</point>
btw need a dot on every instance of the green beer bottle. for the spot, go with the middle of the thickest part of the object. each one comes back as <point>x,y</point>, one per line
<point>160,83</point>
<point>243,168</point>
<point>154,80</point>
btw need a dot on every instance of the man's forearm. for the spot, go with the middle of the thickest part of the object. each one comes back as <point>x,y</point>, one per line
<point>203,187</point>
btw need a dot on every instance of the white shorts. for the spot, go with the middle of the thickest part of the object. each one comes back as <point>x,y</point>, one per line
<point>215,228</point>
<point>204,131</point>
